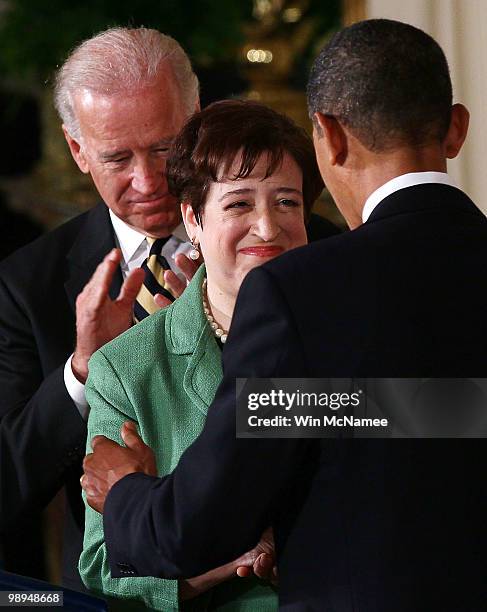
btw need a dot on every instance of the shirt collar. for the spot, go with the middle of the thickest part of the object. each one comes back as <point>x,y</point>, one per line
<point>129,239</point>
<point>400,182</point>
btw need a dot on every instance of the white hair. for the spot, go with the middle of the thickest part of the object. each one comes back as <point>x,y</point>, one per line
<point>117,60</point>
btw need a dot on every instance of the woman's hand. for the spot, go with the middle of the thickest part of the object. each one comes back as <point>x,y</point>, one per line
<point>260,561</point>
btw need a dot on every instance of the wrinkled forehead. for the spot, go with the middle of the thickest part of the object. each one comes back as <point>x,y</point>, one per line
<point>153,110</point>
<point>115,80</point>
<point>163,93</point>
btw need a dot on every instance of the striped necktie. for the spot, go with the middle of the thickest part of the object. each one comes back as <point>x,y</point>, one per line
<point>154,267</point>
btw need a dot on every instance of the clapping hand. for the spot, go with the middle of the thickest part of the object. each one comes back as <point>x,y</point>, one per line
<point>100,319</point>
<point>173,283</point>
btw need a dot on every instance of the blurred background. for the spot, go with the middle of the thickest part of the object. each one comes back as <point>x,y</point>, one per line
<point>258,49</point>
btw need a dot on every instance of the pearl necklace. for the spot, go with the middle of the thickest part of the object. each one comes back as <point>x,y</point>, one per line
<point>219,332</point>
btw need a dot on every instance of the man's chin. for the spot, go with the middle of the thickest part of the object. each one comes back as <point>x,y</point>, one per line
<point>158,225</point>
<point>155,221</point>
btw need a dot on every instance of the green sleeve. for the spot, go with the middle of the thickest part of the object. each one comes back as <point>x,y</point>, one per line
<point>110,407</point>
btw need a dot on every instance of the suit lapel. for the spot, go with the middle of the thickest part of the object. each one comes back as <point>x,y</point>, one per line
<point>94,241</point>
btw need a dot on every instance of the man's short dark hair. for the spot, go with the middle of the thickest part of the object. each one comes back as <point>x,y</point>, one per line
<point>386,81</point>
<point>207,145</point>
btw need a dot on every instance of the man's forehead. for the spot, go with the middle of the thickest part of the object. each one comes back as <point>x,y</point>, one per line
<point>164,98</point>
<point>148,116</point>
<point>162,88</point>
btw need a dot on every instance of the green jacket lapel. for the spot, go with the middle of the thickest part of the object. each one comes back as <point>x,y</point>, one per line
<point>192,336</point>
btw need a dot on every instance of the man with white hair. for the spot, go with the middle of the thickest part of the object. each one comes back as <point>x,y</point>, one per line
<point>122,97</point>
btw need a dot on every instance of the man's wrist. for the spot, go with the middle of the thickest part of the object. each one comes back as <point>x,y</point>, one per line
<point>79,367</point>
<point>75,389</point>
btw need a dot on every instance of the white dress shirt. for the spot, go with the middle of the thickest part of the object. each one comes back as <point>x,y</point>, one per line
<point>400,182</point>
<point>135,249</point>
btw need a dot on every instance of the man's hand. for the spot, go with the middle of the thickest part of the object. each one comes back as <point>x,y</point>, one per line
<point>261,560</point>
<point>173,283</point>
<point>109,462</point>
<point>99,319</point>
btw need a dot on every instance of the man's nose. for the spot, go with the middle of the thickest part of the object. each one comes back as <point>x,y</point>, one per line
<point>148,176</point>
<point>266,225</point>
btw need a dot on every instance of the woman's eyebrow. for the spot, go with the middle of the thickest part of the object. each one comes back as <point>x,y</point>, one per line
<point>289,190</point>
<point>245,191</point>
<point>236,192</point>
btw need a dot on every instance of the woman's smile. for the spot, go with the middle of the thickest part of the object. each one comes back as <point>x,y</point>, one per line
<point>262,251</point>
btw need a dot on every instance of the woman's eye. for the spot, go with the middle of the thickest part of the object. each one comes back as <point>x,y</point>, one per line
<point>288,202</point>
<point>239,204</point>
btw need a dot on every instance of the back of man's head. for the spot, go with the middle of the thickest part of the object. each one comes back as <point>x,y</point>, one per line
<point>119,60</point>
<point>387,82</point>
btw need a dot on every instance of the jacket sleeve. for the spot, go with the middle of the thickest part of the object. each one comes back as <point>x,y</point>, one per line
<point>110,407</point>
<point>225,491</point>
<point>42,435</point>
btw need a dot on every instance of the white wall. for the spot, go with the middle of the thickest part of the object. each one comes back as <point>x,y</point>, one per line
<point>460,27</point>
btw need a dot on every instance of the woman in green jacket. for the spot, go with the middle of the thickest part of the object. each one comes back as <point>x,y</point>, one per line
<point>246,178</point>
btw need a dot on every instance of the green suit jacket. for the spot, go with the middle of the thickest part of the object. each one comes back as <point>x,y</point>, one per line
<point>163,374</point>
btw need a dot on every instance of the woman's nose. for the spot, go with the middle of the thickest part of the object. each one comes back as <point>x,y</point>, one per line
<point>266,226</point>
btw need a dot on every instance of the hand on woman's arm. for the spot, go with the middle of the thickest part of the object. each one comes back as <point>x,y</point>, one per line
<point>110,462</point>
<point>115,462</point>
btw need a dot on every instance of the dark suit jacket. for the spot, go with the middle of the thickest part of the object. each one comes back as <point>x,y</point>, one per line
<point>360,525</point>
<point>42,435</point>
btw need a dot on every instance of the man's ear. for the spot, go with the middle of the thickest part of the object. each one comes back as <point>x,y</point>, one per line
<point>457,132</point>
<point>189,220</point>
<point>76,151</point>
<point>331,138</point>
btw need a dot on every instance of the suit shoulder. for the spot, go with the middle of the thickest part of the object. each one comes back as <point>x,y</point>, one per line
<point>317,255</point>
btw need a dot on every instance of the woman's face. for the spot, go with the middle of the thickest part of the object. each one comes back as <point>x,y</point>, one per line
<point>248,221</point>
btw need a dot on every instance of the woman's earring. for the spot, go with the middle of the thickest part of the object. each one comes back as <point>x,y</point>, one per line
<point>194,254</point>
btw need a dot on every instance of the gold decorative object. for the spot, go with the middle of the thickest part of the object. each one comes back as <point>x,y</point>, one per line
<point>279,35</point>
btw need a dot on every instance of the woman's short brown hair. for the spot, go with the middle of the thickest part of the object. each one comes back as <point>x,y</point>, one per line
<point>207,145</point>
